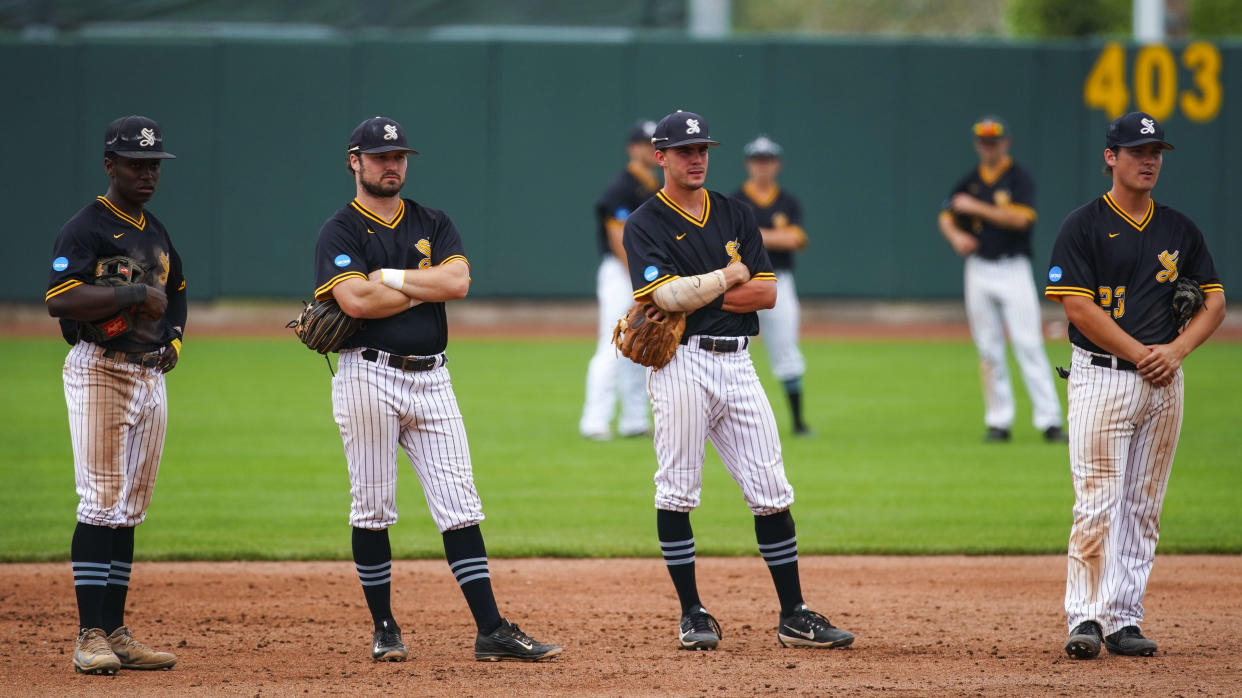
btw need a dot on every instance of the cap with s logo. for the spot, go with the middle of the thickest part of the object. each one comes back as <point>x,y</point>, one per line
<point>989,128</point>
<point>762,147</point>
<point>136,137</point>
<point>1133,129</point>
<point>378,135</point>
<point>642,131</point>
<point>681,128</point>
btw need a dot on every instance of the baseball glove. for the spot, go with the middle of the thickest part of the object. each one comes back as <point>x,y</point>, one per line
<point>114,271</point>
<point>1187,299</point>
<point>647,341</point>
<point>323,326</point>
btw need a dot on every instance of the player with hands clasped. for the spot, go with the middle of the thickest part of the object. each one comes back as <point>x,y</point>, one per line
<point>117,287</point>
<point>611,378</point>
<point>988,219</point>
<point>1115,268</point>
<point>698,252</point>
<point>395,262</point>
<point>779,215</point>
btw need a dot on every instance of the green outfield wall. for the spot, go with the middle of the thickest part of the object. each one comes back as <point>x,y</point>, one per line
<point>519,137</point>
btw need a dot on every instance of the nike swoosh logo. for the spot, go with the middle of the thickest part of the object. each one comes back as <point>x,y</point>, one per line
<point>807,635</point>
<point>370,231</point>
<point>1113,235</point>
<point>524,644</point>
<point>681,236</point>
<point>117,236</point>
<point>684,634</point>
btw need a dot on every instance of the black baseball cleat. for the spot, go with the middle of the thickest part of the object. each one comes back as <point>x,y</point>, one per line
<point>508,643</point>
<point>386,644</point>
<point>698,630</point>
<point>1055,435</point>
<point>1130,642</point>
<point>996,435</point>
<point>806,628</point>
<point>1084,640</point>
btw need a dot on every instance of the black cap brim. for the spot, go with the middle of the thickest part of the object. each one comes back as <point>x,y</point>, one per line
<point>691,141</point>
<point>383,149</point>
<point>1142,141</point>
<point>145,155</point>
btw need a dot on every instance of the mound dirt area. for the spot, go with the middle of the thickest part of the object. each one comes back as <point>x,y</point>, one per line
<point>925,626</point>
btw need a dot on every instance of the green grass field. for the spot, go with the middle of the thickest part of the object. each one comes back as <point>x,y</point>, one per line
<point>253,466</point>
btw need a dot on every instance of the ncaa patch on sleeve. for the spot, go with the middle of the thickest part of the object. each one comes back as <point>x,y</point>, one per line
<point>1054,274</point>
<point>621,213</point>
<point>650,273</point>
<point>342,260</point>
<point>60,263</point>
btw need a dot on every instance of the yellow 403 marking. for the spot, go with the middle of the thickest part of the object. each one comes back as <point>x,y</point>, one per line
<point>1155,81</point>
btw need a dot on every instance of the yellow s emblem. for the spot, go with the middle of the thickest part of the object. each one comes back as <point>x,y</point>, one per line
<point>1002,197</point>
<point>780,220</point>
<point>424,247</point>
<point>1169,261</point>
<point>731,250</point>
<point>164,264</point>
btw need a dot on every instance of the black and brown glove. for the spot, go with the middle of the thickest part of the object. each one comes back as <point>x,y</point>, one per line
<point>1187,299</point>
<point>323,326</point>
<point>115,271</point>
<point>645,340</point>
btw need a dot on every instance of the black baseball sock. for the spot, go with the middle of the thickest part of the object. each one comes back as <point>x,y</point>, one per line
<point>91,553</point>
<point>118,578</point>
<point>793,390</point>
<point>373,559</point>
<point>779,546</point>
<point>677,546</point>
<point>467,558</point>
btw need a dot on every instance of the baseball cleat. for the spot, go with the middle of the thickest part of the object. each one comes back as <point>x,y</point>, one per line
<point>698,630</point>
<point>1055,435</point>
<point>386,644</point>
<point>806,628</point>
<point>508,643</point>
<point>1084,640</point>
<point>996,435</point>
<point>135,655</point>
<point>93,655</point>
<point>1129,642</point>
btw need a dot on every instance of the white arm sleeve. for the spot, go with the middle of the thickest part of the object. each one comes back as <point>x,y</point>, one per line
<point>690,292</point>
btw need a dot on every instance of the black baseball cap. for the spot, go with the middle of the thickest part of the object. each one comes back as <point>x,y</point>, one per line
<point>762,147</point>
<point>642,131</point>
<point>990,127</point>
<point>1135,128</point>
<point>378,134</point>
<point>136,137</point>
<point>681,128</point>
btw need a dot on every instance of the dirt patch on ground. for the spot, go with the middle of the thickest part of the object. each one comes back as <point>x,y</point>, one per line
<point>925,626</point>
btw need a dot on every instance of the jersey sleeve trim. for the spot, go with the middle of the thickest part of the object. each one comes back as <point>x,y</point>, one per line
<point>1212,288</point>
<point>764,276</point>
<point>455,258</point>
<point>323,291</point>
<point>57,290</point>
<point>649,288</point>
<point>1054,291</point>
<point>1024,210</point>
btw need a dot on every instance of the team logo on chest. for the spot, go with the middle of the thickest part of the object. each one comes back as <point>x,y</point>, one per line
<point>424,248</point>
<point>1169,262</point>
<point>780,220</point>
<point>1002,197</point>
<point>732,248</point>
<point>164,264</point>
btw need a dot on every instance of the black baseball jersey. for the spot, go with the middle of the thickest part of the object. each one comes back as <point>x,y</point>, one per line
<point>1008,185</point>
<point>777,210</point>
<point>624,194</point>
<point>355,242</point>
<point>102,230</point>
<point>1129,266</point>
<point>664,242</point>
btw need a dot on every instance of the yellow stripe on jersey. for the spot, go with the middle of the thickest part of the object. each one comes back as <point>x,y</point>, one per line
<point>390,224</point>
<point>140,224</point>
<point>176,344</point>
<point>641,293</point>
<point>1054,292</point>
<point>700,222</point>
<point>1151,208</point>
<point>455,258</point>
<point>324,291</point>
<point>182,286</point>
<point>1024,210</point>
<point>64,286</point>
<point>759,199</point>
<point>764,276</point>
<point>1212,288</point>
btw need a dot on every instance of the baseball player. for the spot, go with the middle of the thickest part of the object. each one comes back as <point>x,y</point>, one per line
<point>779,216</point>
<point>395,262</point>
<point>700,252</point>
<point>988,219</point>
<point>124,338</point>
<point>1113,268</point>
<point>610,376</point>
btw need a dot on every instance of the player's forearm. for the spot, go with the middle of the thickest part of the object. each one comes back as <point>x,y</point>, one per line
<point>1202,325</point>
<point>1099,327</point>
<point>369,300</point>
<point>88,302</point>
<point>1005,217</point>
<point>948,228</point>
<point>789,238</point>
<point>177,311</point>
<point>756,294</point>
<point>616,233</point>
<point>446,282</point>
<point>689,293</point>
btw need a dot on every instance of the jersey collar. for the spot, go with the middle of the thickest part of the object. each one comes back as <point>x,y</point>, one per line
<point>760,200</point>
<point>990,175</point>
<point>643,175</point>
<point>140,224</point>
<point>1139,225</point>
<point>700,222</point>
<point>368,213</point>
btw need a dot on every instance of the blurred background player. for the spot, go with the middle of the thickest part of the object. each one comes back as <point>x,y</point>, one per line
<point>610,376</point>
<point>779,216</point>
<point>988,219</point>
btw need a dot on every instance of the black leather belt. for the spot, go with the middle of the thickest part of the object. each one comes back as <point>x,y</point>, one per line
<point>149,359</point>
<point>723,346</point>
<point>405,363</point>
<point>1107,362</point>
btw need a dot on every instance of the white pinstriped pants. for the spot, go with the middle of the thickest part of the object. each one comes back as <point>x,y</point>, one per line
<point>118,413</point>
<point>703,395</point>
<point>1123,434</point>
<point>378,407</point>
<point>778,329</point>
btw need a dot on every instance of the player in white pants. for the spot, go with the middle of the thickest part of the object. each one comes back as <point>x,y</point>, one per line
<point>988,219</point>
<point>1114,267</point>
<point>611,377</point>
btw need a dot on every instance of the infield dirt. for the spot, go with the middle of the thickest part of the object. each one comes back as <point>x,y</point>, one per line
<point>925,626</point>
